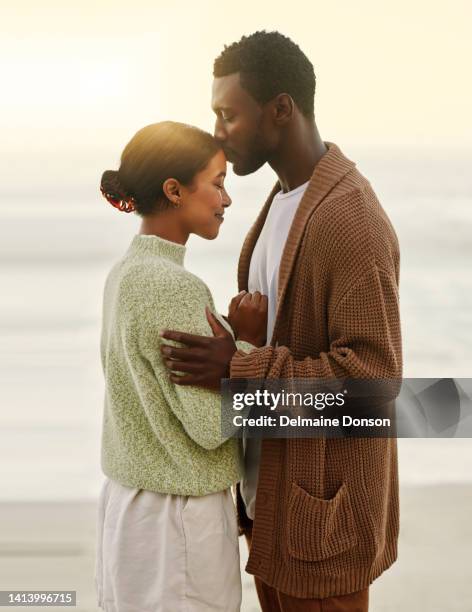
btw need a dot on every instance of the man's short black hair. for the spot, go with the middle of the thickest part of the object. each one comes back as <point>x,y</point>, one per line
<point>269,64</point>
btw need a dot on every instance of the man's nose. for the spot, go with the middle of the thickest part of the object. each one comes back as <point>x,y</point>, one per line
<point>219,132</point>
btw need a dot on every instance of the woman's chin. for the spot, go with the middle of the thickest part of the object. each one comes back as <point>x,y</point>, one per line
<point>214,234</point>
<point>210,234</point>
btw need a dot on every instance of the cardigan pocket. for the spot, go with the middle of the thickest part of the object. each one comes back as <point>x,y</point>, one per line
<point>319,528</point>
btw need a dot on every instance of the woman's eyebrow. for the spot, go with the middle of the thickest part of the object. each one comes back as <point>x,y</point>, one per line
<point>223,174</point>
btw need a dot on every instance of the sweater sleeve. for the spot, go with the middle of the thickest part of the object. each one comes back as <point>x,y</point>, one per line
<point>364,333</point>
<point>179,304</point>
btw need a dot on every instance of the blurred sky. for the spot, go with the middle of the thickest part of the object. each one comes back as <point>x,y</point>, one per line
<point>79,78</point>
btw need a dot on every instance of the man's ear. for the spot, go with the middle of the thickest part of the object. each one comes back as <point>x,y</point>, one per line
<point>284,107</point>
<point>171,189</point>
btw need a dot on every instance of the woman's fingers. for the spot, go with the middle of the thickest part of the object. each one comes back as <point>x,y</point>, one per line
<point>256,298</point>
<point>264,303</point>
<point>239,297</point>
<point>246,299</point>
<point>236,301</point>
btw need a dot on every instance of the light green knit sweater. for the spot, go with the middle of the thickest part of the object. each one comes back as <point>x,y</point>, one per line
<point>157,435</point>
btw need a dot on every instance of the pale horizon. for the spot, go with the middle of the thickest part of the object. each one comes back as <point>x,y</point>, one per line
<point>80,80</point>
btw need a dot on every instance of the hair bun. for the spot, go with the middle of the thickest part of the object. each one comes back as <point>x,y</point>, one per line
<point>113,192</point>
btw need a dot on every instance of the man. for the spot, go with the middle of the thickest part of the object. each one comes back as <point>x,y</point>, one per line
<point>324,521</point>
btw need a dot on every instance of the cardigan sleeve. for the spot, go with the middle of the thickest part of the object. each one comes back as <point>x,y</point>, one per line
<point>364,333</point>
<point>178,304</point>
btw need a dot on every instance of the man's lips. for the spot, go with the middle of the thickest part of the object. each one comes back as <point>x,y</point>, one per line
<point>230,154</point>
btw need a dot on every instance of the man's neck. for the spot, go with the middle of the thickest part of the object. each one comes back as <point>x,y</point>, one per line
<point>295,161</point>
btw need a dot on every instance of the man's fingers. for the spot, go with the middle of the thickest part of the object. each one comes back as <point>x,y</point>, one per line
<point>188,379</point>
<point>182,366</point>
<point>195,380</point>
<point>184,338</point>
<point>181,354</point>
<point>217,328</point>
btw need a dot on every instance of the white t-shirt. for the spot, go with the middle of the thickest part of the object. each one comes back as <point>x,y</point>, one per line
<point>264,277</point>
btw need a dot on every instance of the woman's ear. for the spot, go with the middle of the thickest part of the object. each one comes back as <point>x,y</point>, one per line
<point>171,189</point>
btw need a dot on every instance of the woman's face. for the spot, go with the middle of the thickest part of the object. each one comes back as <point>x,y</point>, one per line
<point>203,203</point>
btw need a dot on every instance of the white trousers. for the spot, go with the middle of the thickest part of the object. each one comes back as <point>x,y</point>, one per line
<point>166,553</point>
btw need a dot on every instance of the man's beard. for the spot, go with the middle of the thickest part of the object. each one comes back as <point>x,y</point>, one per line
<point>243,167</point>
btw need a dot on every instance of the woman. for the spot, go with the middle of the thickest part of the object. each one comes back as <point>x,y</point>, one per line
<point>167,533</point>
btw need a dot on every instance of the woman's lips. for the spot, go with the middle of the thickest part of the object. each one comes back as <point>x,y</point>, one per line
<point>220,216</point>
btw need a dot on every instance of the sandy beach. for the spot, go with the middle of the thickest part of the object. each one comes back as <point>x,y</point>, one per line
<point>51,546</point>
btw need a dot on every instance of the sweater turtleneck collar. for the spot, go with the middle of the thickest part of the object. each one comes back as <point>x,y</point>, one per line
<point>154,245</point>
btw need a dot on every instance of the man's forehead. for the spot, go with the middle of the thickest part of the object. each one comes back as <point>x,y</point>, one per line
<point>227,91</point>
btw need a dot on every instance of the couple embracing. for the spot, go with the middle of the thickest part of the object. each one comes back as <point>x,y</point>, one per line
<point>318,278</point>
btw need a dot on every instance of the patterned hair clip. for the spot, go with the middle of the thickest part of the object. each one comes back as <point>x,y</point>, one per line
<point>128,205</point>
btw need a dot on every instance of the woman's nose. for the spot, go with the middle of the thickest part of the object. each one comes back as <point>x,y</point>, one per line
<point>226,199</point>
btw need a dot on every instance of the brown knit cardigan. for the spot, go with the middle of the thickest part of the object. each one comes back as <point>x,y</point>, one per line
<point>327,511</point>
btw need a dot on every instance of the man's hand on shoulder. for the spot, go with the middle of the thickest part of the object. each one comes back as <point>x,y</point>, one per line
<point>204,360</point>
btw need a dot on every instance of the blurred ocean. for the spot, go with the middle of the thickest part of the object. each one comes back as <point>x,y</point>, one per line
<point>56,250</point>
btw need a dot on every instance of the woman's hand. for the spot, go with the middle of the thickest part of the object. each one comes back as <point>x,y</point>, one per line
<point>248,317</point>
